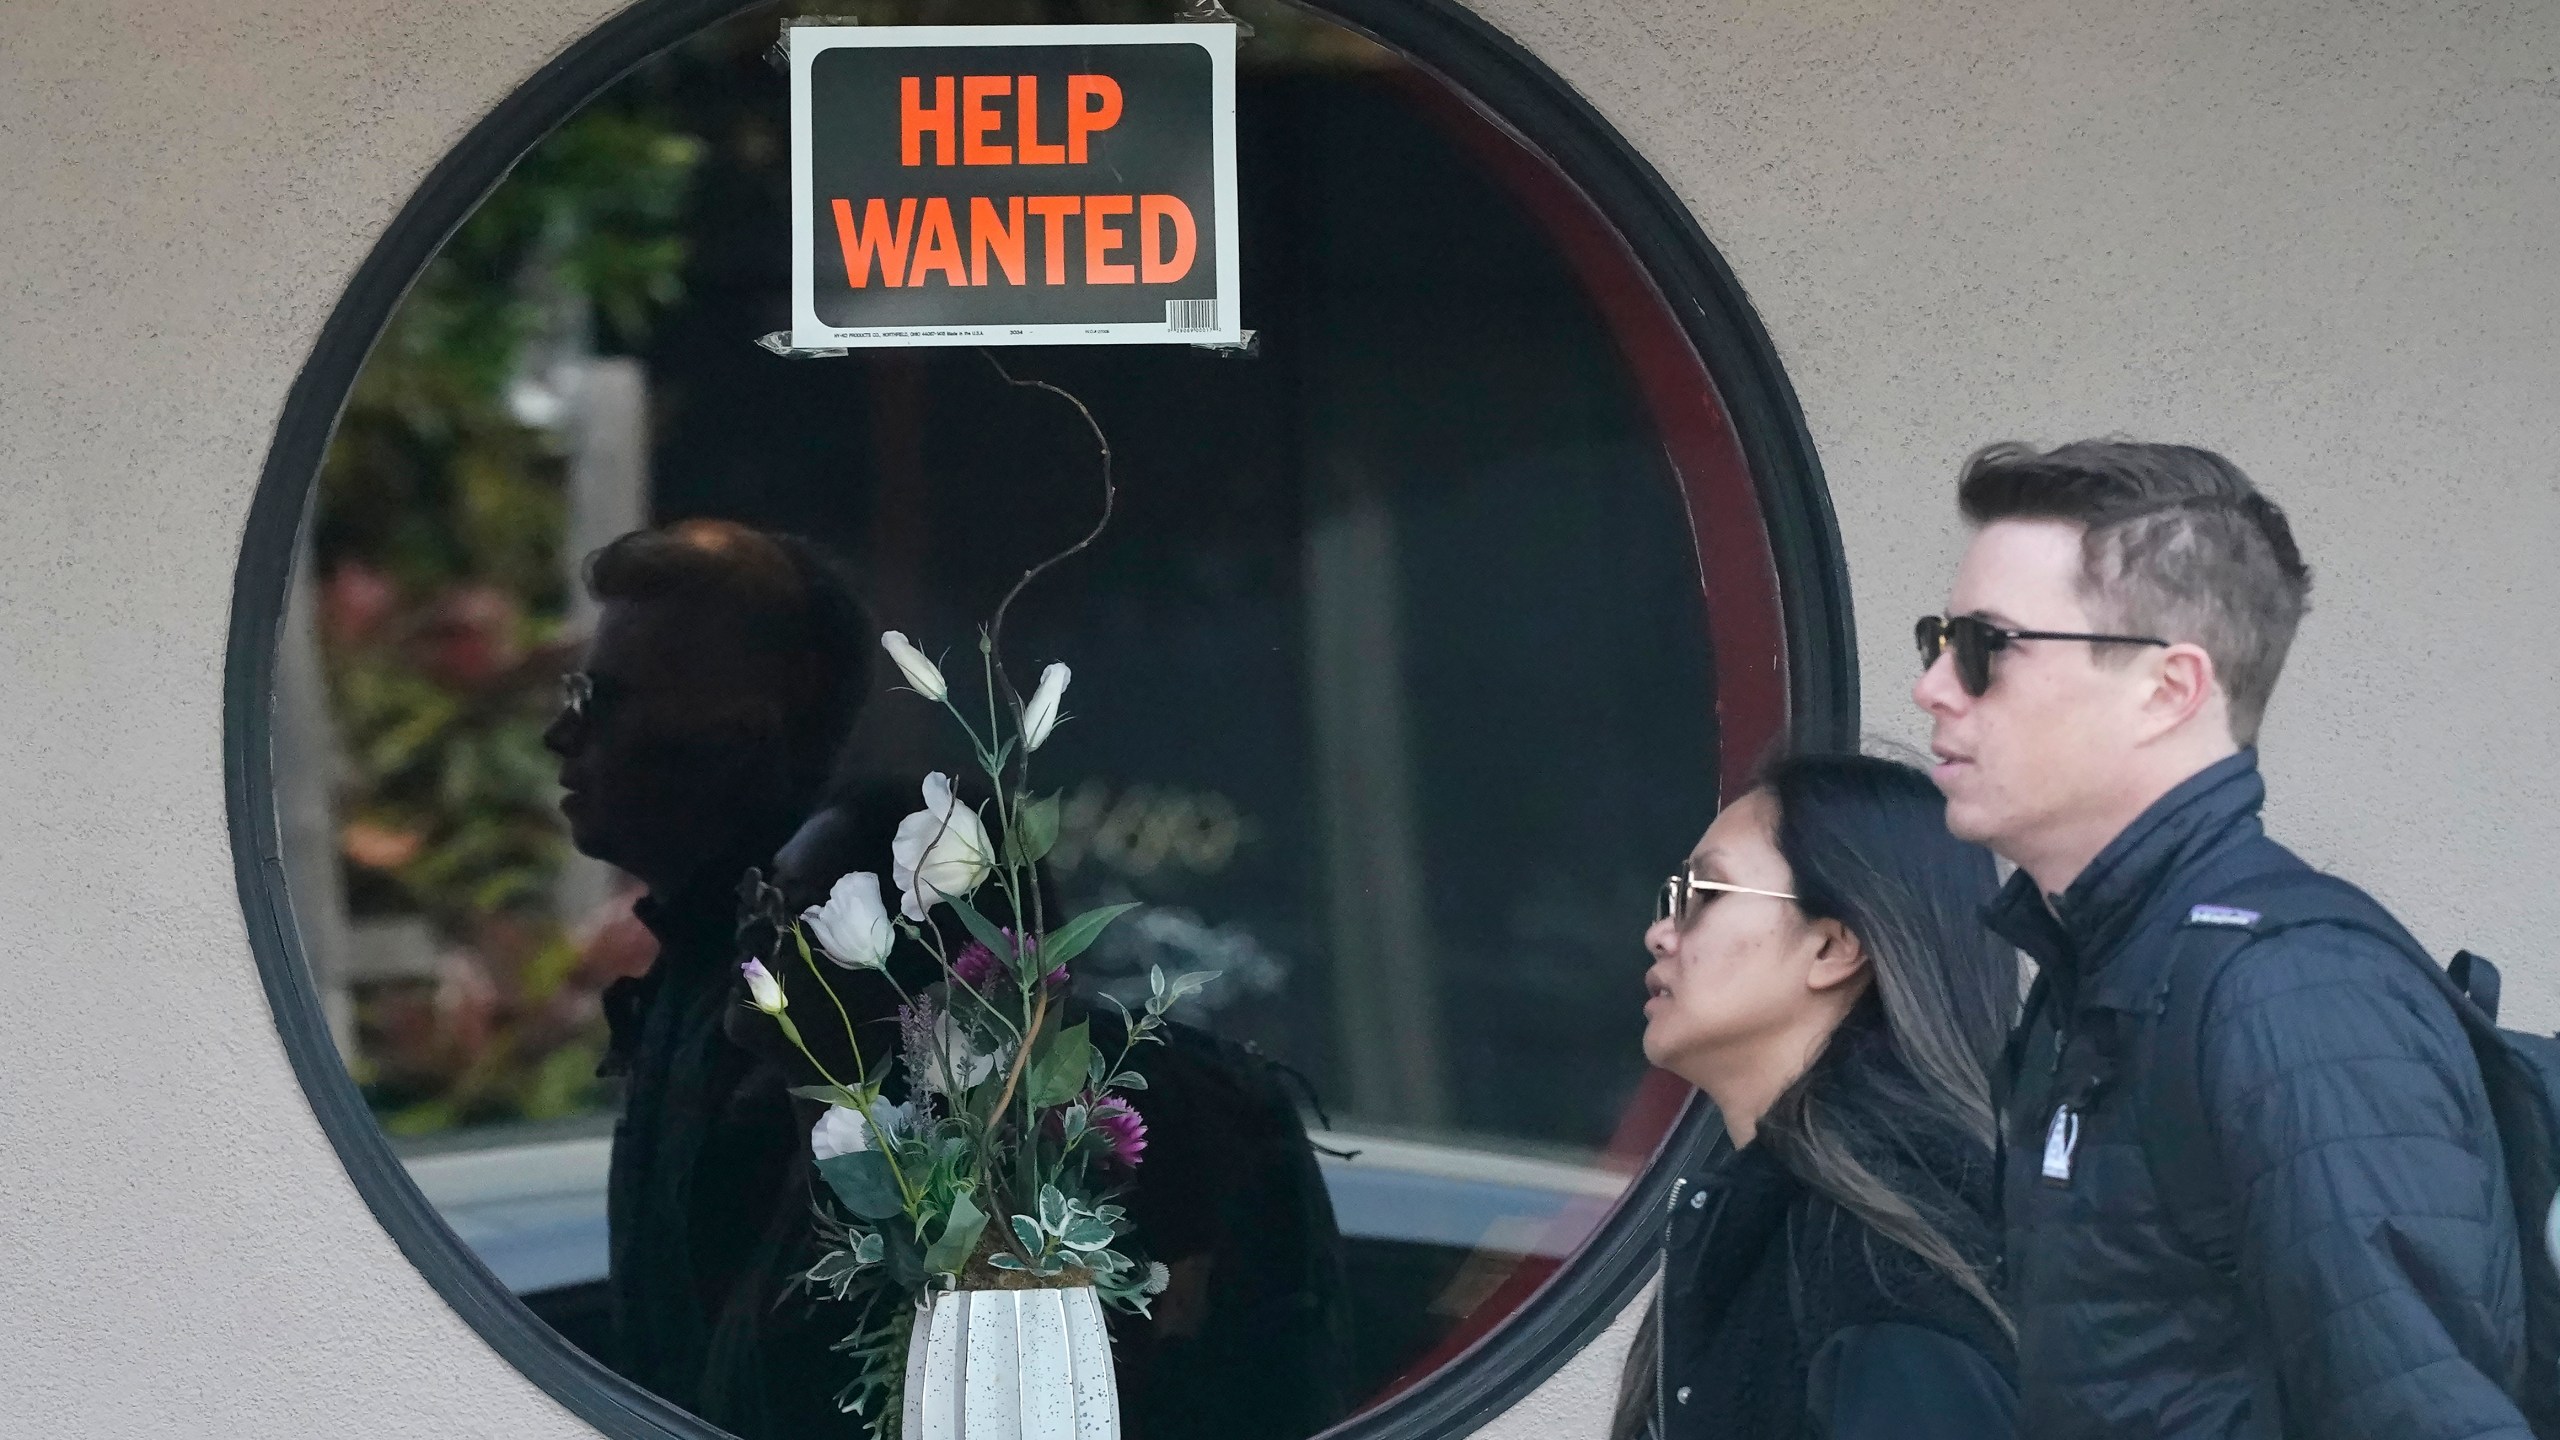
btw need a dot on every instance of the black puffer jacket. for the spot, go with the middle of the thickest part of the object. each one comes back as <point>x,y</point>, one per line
<point>1784,1317</point>
<point>2364,1282</point>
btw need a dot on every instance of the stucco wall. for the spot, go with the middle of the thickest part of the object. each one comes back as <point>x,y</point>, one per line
<point>2321,237</point>
<point>2316,235</point>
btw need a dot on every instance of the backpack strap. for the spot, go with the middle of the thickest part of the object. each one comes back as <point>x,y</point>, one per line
<point>2477,979</point>
<point>2176,1137</point>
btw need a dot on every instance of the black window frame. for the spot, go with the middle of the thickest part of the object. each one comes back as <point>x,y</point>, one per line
<point>1440,36</point>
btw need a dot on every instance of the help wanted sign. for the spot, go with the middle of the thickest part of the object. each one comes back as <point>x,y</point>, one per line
<point>1013,185</point>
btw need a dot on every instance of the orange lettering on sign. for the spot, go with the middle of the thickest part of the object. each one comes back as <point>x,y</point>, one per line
<point>1155,266</point>
<point>976,120</point>
<point>937,246</point>
<point>914,119</point>
<point>874,234</point>
<point>1093,106</point>
<point>1100,239</point>
<point>1032,151</point>
<point>1053,211</point>
<point>1003,237</point>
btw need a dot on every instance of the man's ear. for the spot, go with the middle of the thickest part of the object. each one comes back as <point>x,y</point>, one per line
<point>2183,683</point>
<point>1839,960</point>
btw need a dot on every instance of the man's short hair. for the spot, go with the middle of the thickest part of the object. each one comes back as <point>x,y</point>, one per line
<point>776,599</point>
<point>2176,543</point>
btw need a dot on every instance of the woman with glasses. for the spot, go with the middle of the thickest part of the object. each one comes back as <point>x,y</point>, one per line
<point>1821,972</point>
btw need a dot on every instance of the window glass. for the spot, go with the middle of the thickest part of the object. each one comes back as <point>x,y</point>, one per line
<point>1393,700</point>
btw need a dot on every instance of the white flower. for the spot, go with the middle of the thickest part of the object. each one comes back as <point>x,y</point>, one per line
<point>853,926</point>
<point>763,990</point>
<point>955,1066</point>
<point>1041,715</point>
<point>843,1132</point>
<point>939,852</point>
<point>921,673</point>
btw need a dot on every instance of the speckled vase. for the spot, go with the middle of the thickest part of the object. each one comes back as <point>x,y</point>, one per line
<point>1011,1365</point>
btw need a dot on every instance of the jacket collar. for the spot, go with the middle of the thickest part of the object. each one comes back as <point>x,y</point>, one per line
<point>2076,935</point>
<point>696,928</point>
<point>1719,1240</point>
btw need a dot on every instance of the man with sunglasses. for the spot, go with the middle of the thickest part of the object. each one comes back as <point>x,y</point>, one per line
<point>2269,1201</point>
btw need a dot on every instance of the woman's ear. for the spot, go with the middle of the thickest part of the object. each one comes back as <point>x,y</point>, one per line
<point>1838,958</point>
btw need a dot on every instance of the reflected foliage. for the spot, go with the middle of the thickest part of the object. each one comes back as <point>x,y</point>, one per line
<point>442,594</point>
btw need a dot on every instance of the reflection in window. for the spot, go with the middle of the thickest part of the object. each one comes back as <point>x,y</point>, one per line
<point>1393,698</point>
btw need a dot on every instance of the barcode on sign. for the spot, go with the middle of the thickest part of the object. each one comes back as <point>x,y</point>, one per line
<point>1187,315</point>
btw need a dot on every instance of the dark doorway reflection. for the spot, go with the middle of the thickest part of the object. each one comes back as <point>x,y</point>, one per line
<point>1393,695</point>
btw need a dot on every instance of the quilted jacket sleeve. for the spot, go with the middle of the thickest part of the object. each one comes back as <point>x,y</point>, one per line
<point>2375,1241</point>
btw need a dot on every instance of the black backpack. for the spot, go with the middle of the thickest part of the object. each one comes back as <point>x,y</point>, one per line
<point>2521,1073</point>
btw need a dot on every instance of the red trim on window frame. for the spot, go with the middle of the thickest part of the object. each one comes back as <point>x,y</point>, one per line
<point>1738,585</point>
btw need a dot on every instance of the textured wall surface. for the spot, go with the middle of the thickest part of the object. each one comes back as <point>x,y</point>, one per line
<point>189,187</point>
<point>2316,235</point>
<point>2320,237</point>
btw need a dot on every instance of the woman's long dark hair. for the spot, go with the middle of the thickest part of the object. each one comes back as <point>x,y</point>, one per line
<point>1866,839</point>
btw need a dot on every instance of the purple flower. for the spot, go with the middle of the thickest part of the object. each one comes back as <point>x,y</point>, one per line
<point>1031,951</point>
<point>1121,1128</point>
<point>976,965</point>
<point>915,1031</point>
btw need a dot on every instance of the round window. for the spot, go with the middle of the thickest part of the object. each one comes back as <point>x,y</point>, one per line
<point>1423,635</point>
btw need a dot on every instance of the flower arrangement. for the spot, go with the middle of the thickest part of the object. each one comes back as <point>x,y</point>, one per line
<point>998,1169</point>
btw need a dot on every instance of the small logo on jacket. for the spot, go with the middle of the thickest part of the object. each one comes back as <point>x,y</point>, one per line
<point>2222,915</point>
<point>2061,1142</point>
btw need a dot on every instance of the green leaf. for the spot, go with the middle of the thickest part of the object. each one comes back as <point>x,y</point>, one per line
<point>982,929</point>
<point>1027,1230</point>
<point>1055,1210</point>
<point>869,1250</point>
<point>1003,1260</point>
<point>1035,830</point>
<point>905,1260</point>
<point>1126,1080</point>
<point>865,1183</point>
<point>959,1237</point>
<point>1058,1066</point>
<point>1070,940</point>
<point>1086,1234</point>
<point>829,1095</point>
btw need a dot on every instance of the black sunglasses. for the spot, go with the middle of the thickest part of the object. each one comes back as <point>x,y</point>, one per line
<point>1974,642</point>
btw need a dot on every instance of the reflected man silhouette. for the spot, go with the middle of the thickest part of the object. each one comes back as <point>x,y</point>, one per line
<point>726,674</point>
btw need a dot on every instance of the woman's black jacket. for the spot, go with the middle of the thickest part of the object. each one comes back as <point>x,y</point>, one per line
<point>1785,1316</point>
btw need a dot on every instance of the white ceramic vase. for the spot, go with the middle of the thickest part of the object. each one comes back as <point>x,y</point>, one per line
<point>1011,1365</point>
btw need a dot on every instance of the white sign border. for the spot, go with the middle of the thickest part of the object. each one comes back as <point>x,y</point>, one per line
<point>807,42</point>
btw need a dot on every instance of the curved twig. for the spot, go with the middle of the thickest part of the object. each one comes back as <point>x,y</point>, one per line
<point>1021,1057</point>
<point>1110,495</point>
